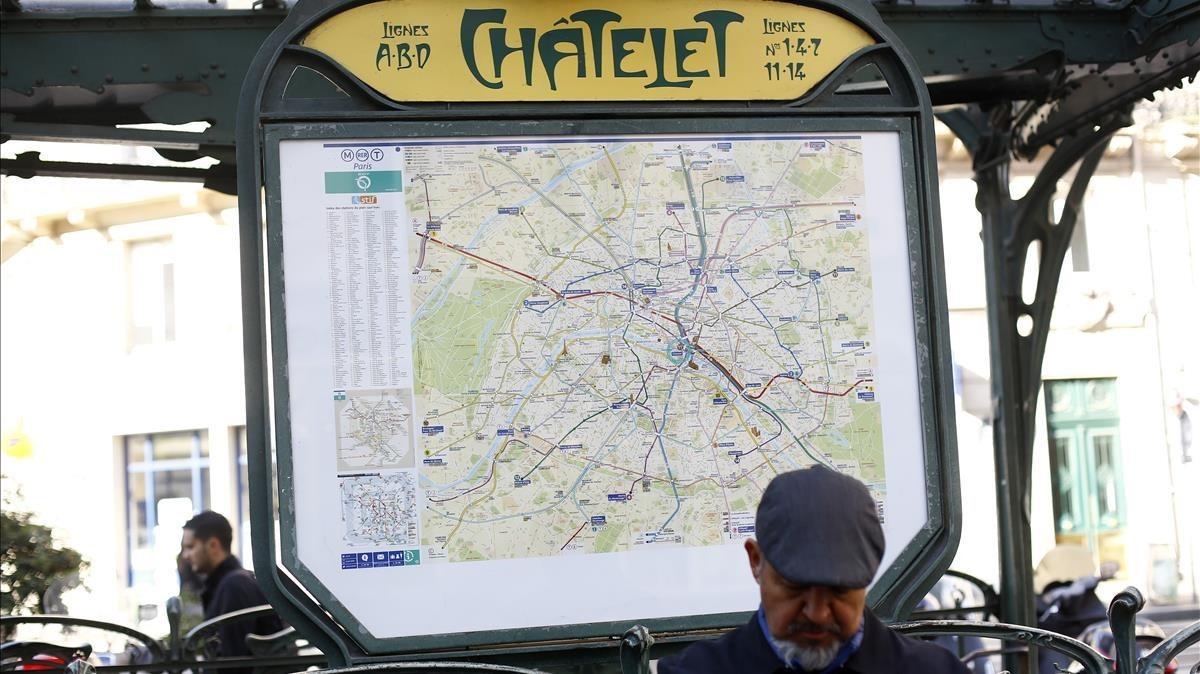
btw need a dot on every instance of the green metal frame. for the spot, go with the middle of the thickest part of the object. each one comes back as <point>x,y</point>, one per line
<point>266,118</point>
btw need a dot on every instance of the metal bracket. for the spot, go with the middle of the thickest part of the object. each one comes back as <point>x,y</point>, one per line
<point>635,650</point>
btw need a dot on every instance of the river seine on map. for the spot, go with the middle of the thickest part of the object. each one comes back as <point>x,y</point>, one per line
<point>618,341</point>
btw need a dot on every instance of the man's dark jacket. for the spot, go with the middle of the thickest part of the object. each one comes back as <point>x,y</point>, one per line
<point>230,588</point>
<point>746,651</point>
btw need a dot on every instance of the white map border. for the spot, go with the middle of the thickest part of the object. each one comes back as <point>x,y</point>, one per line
<point>546,591</point>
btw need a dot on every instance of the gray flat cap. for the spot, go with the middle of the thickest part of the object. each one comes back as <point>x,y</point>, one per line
<point>819,527</point>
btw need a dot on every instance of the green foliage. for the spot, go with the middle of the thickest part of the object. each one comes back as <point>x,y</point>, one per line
<point>30,562</point>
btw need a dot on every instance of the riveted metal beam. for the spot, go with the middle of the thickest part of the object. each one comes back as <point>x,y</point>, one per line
<point>1066,63</point>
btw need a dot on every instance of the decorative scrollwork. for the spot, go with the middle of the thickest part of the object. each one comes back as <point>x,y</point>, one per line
<point>1156,661</point>
<point>1092,662</point>
<point>1122,618</point>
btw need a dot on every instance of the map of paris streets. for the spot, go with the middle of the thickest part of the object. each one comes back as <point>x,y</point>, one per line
<point>617,342</point>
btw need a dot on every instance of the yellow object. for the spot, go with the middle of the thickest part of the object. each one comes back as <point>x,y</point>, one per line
<point>434,50</point>
<point>17,444</point>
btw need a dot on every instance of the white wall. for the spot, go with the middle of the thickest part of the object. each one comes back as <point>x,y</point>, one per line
<point>1134,316</point>
<point>74,386</point>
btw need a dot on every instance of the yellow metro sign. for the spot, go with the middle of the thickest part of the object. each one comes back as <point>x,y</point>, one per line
<point>427,50</point>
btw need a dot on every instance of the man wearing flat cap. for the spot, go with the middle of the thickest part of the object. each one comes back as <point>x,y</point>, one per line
<point>819,546</point>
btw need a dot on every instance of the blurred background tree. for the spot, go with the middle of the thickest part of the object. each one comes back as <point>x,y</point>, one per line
<point>33,570</point>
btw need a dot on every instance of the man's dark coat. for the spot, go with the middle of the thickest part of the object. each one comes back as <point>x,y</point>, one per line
<point>230,588</point>
<point>746,651</point>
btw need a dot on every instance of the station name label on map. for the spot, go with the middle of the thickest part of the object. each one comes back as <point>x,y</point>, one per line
<point>420,50</point>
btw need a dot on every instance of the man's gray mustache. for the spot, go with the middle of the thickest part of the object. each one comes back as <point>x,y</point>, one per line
<point>830,628</point>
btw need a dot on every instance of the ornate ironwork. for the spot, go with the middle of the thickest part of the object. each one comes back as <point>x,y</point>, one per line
<point>636,645</point>
<point>152,645</point>
<point>1018,329</point>
<point>432,667</point>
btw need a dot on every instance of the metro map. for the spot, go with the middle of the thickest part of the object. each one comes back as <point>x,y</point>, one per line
<point>617,342</point>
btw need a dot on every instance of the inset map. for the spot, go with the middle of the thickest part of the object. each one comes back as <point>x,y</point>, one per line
<point>380,509</point>
<point>374,429</point>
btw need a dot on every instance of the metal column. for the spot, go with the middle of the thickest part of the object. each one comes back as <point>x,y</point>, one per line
<point>1018,329</point>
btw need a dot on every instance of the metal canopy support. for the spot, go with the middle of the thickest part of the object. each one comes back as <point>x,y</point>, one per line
<point>1074,60</point>
<point>1018,326</point>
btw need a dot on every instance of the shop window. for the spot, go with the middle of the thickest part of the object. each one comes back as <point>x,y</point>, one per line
<point>150,292</point>
<point>166,482</point>
<point>242,480</point>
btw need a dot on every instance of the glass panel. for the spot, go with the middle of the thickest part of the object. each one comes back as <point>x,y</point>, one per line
<point>1062,456</point>
<point>243,475</point>
<point>135,448</point>
<point>137,509</point>
<point>1101,395</point>
<point>1108,499</point>
<point>168,271</point>
<point>204,490</point>
<point>1059,395</point>
<point>172,484</point>
<point>162,497</point>
<point>178,445</point>
<point>151,293</point>
<point>243,481</point>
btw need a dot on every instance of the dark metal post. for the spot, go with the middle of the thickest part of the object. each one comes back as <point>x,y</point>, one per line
<point>174,614</point>
<point>635,650</point>
<point>1018,330</point>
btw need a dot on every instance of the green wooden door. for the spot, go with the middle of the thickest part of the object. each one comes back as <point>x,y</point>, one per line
<point>1083,423</point>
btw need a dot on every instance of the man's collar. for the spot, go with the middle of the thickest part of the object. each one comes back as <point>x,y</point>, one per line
<point>761,618</point>
<point>230,563</point>
<point>871,655</point>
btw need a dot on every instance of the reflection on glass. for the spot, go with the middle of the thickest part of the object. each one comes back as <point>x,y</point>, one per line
<point>179,445</point>
<point>1106,480</point>
<point>1101,394</point>
<point>1064,483</point>
<point>1060,396</point>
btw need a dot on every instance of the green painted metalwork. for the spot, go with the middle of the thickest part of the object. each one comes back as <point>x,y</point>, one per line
<point>1122,614</point>
<point>1068,63</point>
<point>431,668</point>
<point>1042,71</point>
<point>918,566</point>
<point>635,650</point>
<point>1030,637</point>
<point>637,646</point>
<point>1157,660</point>
<point>1018,330</point>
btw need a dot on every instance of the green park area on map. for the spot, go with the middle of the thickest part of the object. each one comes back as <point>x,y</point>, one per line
<point>618,342</point>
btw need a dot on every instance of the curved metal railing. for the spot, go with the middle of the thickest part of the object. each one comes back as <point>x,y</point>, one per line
<point>635,645</point>
<point>152,645</point>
